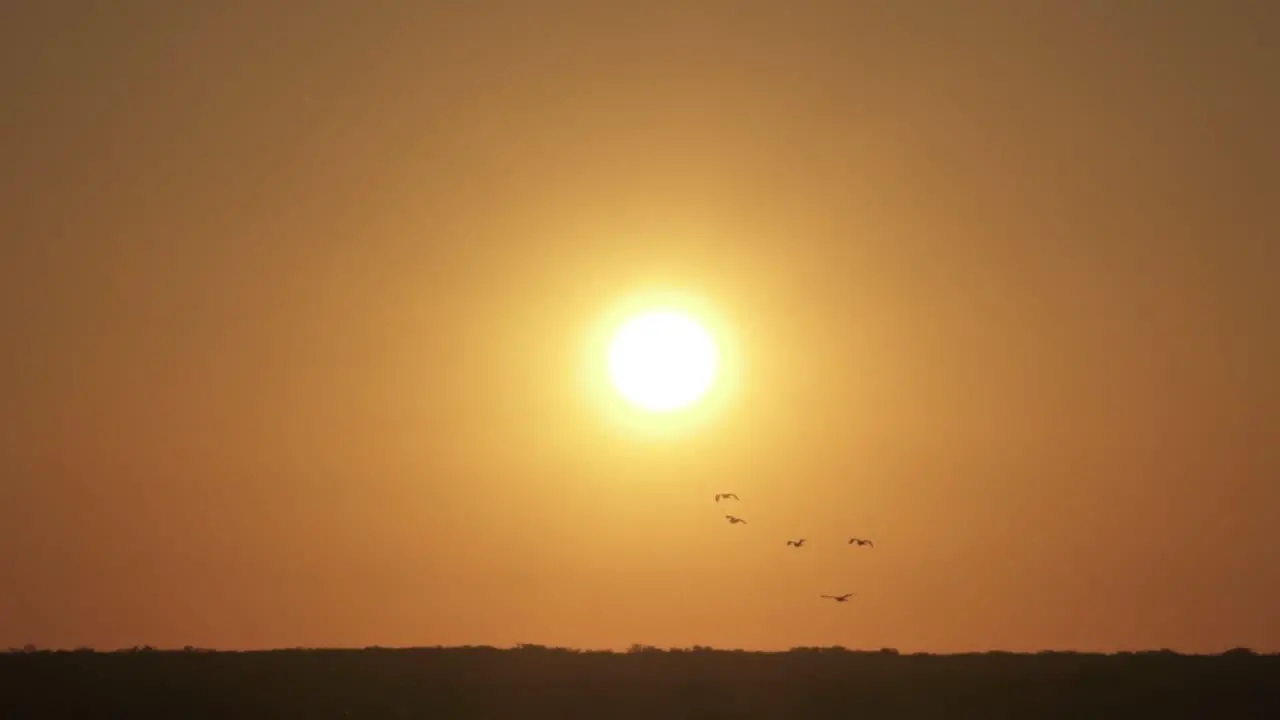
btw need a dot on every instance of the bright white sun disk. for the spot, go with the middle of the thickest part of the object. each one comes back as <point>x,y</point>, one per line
<point>663,361</point>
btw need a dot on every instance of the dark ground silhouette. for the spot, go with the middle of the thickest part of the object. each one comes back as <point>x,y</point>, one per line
<point>538,682</point>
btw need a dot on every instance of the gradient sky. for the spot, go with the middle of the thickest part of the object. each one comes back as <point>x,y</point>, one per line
<point>293,299</point>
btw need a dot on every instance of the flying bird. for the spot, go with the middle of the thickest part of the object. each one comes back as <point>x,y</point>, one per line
<point>796,543</point>
<point>734,520</point>
<point>860,542</point>
<point>838,598</point>
<point>725,496</point>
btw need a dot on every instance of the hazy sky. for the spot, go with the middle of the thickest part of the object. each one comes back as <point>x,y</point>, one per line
<point>294,296</point>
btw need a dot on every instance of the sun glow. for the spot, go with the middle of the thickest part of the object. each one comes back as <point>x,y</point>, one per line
<point>662,360</point>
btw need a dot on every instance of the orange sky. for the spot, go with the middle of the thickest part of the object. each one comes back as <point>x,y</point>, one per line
<point>292,308</point>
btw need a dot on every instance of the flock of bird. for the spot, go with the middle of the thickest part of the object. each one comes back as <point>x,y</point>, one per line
<point>798,542</point>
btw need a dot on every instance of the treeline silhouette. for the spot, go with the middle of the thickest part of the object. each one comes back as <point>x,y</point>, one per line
<point>532,681</point>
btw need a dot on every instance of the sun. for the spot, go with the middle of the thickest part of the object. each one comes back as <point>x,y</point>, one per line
<point>665,363</point>
<point>662,360</point>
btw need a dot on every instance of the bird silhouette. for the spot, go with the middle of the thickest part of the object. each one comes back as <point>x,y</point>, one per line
<point>796,543</point>
<point>734,520</point>
<point>725,496</point>
<point>838,598</point>
<point>860,542</point>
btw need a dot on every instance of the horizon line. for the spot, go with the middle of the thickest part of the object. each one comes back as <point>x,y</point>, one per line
<point>634,649</point>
